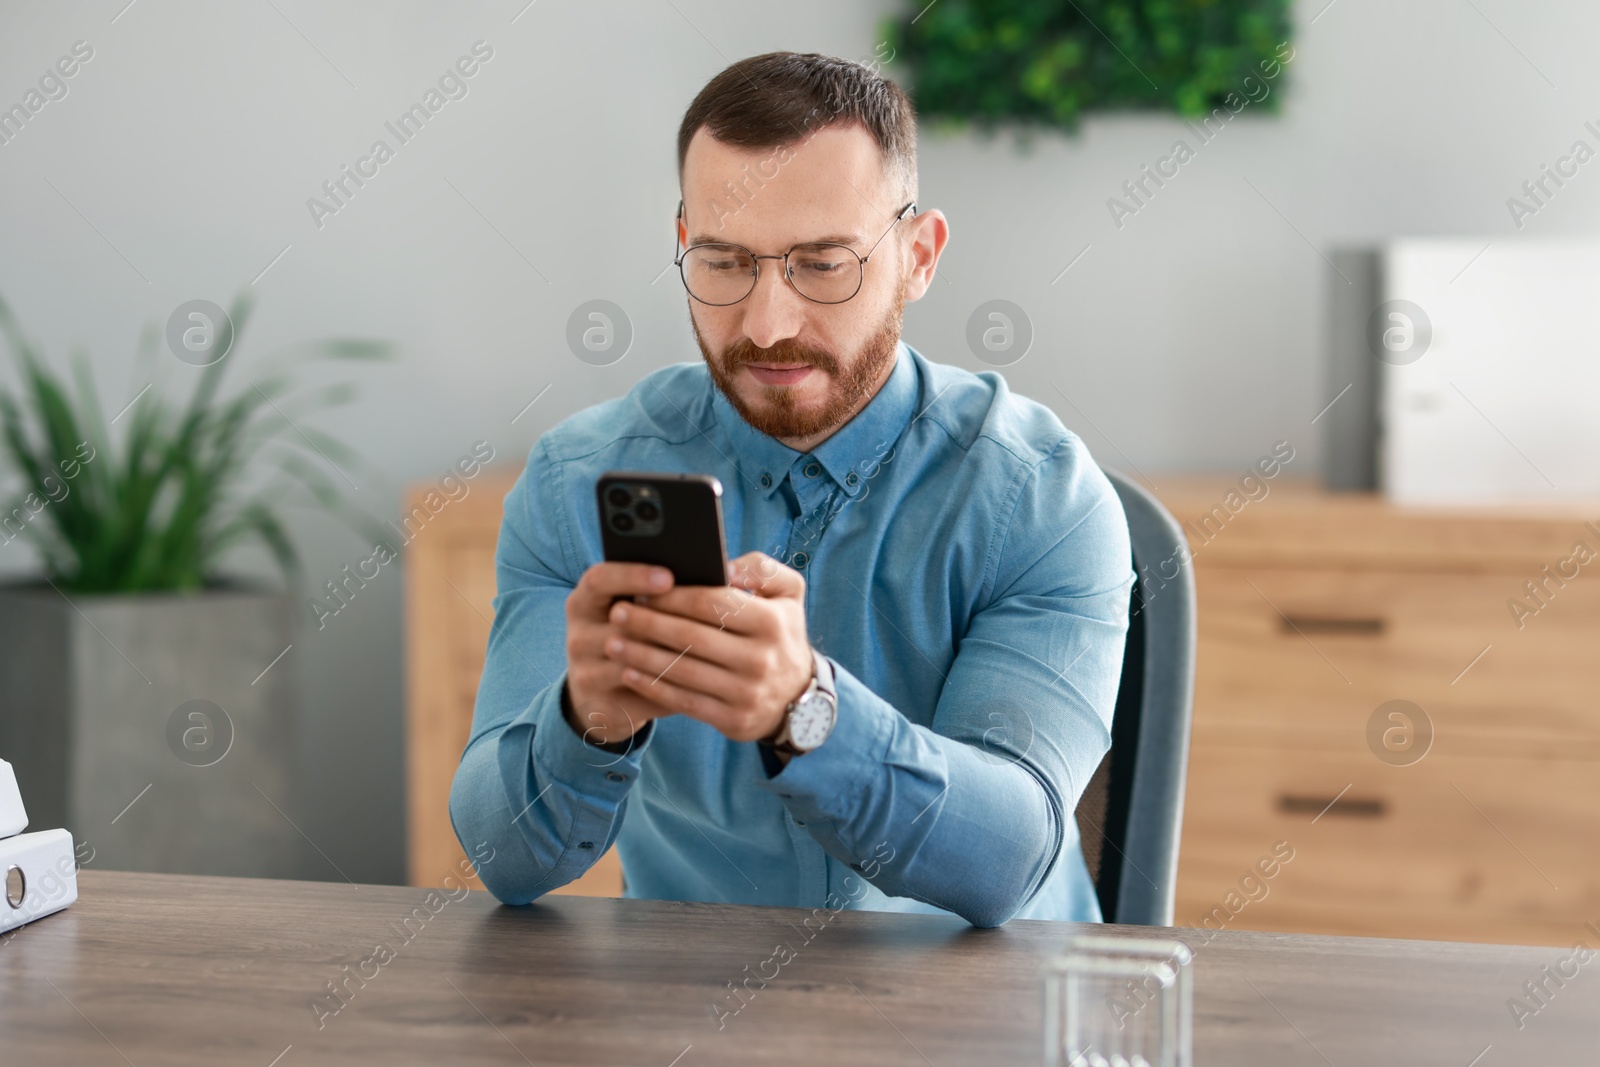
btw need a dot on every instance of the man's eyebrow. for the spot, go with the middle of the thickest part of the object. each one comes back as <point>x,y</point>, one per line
<point>826,239</point>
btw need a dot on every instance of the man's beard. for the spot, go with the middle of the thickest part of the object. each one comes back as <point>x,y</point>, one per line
<point>778,416</point>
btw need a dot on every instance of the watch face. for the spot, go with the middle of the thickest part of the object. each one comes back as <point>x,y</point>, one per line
<point>810,722</point>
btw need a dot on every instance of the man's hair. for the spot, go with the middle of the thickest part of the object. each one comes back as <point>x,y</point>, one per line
<point>781,98</point>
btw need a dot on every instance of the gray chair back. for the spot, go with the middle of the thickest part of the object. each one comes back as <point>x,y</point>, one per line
<point>1131,812</point>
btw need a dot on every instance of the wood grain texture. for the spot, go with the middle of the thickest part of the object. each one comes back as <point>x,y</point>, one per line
<point>1297,524</point>
<point>1531,694</point>
<point>1314,610</point>
<point>1468,848</point>
<point>175,970</point>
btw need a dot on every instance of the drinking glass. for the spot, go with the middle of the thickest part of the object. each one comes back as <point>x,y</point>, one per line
<point>1119,1002</point>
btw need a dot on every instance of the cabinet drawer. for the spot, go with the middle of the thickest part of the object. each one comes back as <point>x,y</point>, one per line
<point>1311,653</point>
<point>1467,848</point>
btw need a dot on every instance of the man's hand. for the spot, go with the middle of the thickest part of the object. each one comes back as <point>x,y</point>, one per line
<point>606,710</point>
<point>732,657</point>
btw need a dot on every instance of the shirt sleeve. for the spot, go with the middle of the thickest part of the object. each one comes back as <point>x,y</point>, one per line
<point>970,814</point>
<point>548,802</point>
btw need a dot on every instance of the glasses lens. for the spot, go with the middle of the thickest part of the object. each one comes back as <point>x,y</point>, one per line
<point>718,274</point>
<point>825,273</point>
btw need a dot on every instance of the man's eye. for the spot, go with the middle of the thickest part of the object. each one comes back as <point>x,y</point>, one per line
<point>823,259</point>
<point>709,260</point>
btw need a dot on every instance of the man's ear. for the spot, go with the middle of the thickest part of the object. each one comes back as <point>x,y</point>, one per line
<point>683,227</point>
<point>927,244</point>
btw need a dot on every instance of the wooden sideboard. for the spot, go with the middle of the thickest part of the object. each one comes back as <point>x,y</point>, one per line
<point>1316,610</point>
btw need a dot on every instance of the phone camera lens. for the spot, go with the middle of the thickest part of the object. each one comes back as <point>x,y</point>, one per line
<point>646,511</point>
<point>622,521</point>
<point>618,497</point>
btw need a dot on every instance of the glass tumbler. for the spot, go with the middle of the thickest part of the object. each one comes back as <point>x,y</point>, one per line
<point>1118,1002</point>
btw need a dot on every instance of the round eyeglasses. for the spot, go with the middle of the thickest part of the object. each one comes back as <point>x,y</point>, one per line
<point>820,271</point>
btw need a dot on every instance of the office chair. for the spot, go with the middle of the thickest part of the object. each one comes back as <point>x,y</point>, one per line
<point>1132,809</point>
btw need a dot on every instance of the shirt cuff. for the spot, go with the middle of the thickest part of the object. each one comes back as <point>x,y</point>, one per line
<point>561,755</point>
<point>824,783</point>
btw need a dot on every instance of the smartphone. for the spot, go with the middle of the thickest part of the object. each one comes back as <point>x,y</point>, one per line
<point>671,520</point>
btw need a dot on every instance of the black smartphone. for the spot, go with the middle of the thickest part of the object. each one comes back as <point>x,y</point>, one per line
<point>670,520</point>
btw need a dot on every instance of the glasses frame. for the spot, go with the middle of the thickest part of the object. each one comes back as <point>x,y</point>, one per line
<point>788,274</point>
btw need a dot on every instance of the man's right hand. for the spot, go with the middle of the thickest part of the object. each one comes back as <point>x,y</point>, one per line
<point>604,711</point>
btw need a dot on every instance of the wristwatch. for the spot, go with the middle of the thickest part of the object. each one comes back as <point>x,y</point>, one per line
<point>808,720</point>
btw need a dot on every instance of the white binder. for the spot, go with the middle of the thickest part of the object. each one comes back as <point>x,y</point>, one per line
<point>41,876</point>
<point>13,818</point>
<point>39,870</point>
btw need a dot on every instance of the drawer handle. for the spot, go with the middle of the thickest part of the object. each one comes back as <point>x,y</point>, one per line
<point>1357,807</point>
<point>1332,624</point>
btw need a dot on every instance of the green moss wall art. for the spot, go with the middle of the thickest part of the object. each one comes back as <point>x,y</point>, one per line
<point>1035,65</point>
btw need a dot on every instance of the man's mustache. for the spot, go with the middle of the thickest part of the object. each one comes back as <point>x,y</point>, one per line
<point>741,354</point>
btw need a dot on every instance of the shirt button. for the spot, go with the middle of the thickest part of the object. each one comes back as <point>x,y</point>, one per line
<point>615,777</point>
<point>813,469</point>
<point>800,560</point>
<point>586,844</point>
<point>799,822</point>
<point>851,479</point>
<point>766,481</point>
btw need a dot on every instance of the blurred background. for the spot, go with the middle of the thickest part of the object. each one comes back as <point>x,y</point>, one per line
<point>1184,335</point>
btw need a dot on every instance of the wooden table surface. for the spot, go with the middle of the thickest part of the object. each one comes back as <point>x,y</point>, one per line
<point>152,969</point>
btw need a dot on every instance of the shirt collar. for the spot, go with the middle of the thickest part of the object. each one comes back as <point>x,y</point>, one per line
<point>849,456</point>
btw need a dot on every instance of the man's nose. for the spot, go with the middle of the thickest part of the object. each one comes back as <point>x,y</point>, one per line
<point>773,311</point>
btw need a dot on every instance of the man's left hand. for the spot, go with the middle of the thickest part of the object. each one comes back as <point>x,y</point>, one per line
<point>733,657</point>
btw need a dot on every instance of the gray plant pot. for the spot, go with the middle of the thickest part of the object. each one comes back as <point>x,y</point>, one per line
<point>144,725</point>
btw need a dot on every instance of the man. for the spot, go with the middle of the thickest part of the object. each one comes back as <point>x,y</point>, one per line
<point>899,699</point>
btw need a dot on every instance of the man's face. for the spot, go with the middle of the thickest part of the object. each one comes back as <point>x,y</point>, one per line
<point>793,368</point>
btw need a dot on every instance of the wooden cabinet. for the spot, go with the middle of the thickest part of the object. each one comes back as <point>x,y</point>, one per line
<point>1473,848</point>
<point>1467,817</point>
<point>450,587</point>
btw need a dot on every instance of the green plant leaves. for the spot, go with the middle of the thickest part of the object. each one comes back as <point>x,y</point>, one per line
<point>186,484</point>
<point>1044,63</point>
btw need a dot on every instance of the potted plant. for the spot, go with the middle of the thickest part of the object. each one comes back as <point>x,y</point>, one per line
<point>145,706</point>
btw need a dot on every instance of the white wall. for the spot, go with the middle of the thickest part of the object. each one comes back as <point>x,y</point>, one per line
<point>1187,340</point>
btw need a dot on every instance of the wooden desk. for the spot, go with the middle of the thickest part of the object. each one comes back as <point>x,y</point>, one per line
<point>164,969</point>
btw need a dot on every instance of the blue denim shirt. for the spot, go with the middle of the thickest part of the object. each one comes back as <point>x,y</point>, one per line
<point>967,573</point>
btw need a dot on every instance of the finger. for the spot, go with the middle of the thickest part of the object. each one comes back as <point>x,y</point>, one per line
<point>596,681</point>
<point>586,637</point>
<point>675,632</point>
<point>677,698</point>
<point>765,576</point>
<point>723,607</point>
<point>604,582</point>
<point>682,668</point>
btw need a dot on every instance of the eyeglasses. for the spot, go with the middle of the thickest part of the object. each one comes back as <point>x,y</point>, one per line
<point>723,274</point>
